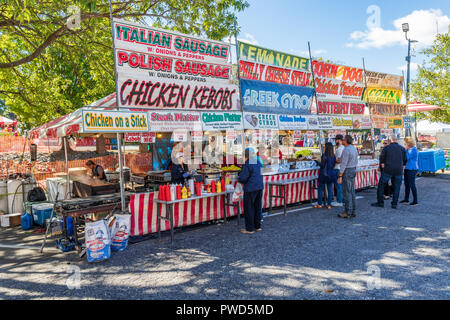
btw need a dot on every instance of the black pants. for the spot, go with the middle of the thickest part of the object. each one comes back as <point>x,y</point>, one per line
<point>410,184</point>
<point>252,210</point>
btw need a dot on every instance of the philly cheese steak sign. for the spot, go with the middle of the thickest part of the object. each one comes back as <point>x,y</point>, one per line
<point>160,69</point>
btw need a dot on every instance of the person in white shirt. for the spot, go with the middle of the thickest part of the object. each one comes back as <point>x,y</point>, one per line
<point>339,149</point>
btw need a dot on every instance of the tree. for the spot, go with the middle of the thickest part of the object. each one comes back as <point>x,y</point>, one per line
<point>48,68</point>
<point>432,85</point>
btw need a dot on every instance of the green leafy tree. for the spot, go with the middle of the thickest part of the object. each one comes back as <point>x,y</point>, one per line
<point>50,66</point>
<point>432,85</point>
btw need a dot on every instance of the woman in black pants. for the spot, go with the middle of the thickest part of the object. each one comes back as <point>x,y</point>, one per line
<point>252,180</point>
<point>411,168</point>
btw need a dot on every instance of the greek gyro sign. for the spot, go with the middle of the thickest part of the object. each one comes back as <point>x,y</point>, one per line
<point>260,96</point>
<point>260,121</point>
<point>114,121</point>
<point>161,69</point>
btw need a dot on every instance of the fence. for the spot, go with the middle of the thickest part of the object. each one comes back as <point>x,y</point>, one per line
<point>43,170</point>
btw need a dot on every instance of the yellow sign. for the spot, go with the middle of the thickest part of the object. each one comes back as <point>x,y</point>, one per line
<point>395,122</point>
<point>114,121</point>
<point>380,95</point>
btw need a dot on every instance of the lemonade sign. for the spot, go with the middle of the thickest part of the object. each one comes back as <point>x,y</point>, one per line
<point>114,121</point>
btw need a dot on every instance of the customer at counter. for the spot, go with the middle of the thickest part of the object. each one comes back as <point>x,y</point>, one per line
<point>327,176</point>
<point>97,170</point>
<point>251,178</point>
<point>347,175</point>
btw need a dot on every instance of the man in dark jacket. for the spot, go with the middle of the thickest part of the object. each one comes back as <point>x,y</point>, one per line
<point>252,180</point>
<point>392,161</point>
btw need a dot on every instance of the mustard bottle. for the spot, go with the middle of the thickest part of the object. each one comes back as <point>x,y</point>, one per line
<point>184,193</point>
<point>218,187</point>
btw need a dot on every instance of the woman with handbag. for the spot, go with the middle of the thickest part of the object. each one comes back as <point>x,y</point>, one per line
<point>327,176</point>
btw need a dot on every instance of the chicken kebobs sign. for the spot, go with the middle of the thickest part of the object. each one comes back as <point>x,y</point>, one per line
<point>160,69</point>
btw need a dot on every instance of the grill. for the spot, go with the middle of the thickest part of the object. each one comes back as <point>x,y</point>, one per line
<point>83,190</point>
<point>80,206</point>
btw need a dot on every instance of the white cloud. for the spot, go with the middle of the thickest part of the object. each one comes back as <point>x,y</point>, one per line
<point>248,37</point>
<point>305,53</point>
<point>414,67</point>
<point>423,25</point>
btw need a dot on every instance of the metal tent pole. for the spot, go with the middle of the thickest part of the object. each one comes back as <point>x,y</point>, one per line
<point>118,135</point>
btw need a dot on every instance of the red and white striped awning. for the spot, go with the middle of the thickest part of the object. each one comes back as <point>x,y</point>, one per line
<point>70,123</point>
<point>421,107</point>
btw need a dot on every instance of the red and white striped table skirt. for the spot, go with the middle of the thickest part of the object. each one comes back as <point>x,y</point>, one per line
<point>144,215</point>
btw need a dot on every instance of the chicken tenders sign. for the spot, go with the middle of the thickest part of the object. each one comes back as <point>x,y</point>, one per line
<point>338,83</point>
<point>160,69</point>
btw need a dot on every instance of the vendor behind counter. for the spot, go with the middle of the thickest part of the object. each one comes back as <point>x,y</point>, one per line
<point>97,170</point>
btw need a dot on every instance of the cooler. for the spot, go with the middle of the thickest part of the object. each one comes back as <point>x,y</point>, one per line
<point>431,160</point>
<point>42,212</point>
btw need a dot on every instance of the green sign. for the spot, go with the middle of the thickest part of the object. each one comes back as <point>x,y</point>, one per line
<point>261,55</point>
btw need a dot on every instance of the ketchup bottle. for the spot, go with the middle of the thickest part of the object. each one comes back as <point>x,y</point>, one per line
<point>178,192</point>
<point>167,193</point>
<point>213,186</point>
<point>198,189</point>
<point>222,182</point>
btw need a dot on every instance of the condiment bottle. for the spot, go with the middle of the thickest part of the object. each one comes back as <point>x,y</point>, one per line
<point>168,194</point>
<point>198,189</point>
<point>219,187</point>
<point>213,186</point>
<point>184,193</point>
<point>178,188</point>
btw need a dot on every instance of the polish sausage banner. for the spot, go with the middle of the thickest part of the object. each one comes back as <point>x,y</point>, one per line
<point>161,69</point>
<point>260,96</point>
<point>259,71</point>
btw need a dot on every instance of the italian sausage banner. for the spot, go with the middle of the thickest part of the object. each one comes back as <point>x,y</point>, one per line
<point>266,56</point>
<point>260,96</point>
<point>161,69</point>
<point>384,80</point>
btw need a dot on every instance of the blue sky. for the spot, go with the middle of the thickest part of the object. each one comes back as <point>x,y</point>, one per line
<point>338,30</point>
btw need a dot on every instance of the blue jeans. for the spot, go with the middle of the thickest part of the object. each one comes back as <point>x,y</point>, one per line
<point>397,182</point>
<point>320,193</point>
<point>338,188</point>
<point>348,190</point>
<point>410,184</point>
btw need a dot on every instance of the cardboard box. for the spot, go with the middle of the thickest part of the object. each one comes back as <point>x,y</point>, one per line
<point>10,220</point>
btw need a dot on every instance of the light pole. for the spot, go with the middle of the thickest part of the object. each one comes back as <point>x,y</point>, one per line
<point>405,27</point>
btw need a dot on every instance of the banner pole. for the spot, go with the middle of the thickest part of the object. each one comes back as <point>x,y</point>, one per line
<point>315,94</point>
<point>118,135</point>
<point>365,103</point>
<point>238,73</point>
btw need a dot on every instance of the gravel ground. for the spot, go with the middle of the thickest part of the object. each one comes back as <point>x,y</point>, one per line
<point>309,254</point>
